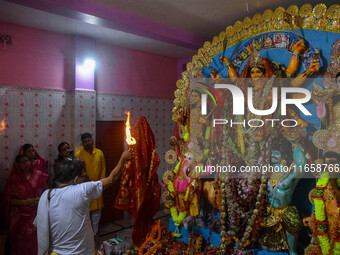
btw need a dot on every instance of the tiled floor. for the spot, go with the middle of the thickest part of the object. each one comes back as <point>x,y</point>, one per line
<point>123,228</point>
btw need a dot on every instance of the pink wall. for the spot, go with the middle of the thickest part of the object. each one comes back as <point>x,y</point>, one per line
<point>36,58</point>
<point>130,72</point>
<point>182,66</point>
<point>43,59</point>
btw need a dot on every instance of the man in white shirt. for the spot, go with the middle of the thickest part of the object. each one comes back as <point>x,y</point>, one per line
<point>63,220</point>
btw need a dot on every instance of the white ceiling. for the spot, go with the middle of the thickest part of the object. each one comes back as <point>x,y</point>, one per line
<point>201,18</point>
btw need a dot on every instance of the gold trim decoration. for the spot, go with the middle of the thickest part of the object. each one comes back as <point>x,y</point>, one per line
<point>166,197</point>
<point>278,14</point>
<point>257,19</point>
<point>178,93</point>
<point>215,41</point>
<point>305,10</point>
<point>207,46</point>
<point>333,12</point>
<point>230,31</point>
<point>177,102</point>
<point>179,84</point>
<point>317,18</point>
<point>293,10</point>
<point>189,66</point>
<point>320,139</point>
<point>170,157</point>
<point>268,15</point>
<point>319,11</point>
<point>182,100</point>
<point>247,22</point>
<point>167,176</point>
<point>221,36</point>
<point>194,58</point>
<point>238,26</point>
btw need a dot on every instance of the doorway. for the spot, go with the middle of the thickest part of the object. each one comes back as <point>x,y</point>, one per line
<point>110,139</point>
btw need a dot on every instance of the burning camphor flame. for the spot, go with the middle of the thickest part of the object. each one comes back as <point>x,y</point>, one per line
<point>129,139</point>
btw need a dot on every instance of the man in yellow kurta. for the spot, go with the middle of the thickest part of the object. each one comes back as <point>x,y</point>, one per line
<point>96,170</point>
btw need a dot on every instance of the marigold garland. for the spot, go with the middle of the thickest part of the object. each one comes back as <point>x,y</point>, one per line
<point>154,237</point>
<point>320,222</point>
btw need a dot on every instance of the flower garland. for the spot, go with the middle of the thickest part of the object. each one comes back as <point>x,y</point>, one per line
<point>151,167</point>
<point>320,222</point>
<point>152,241</point>
<point>177,217</point>
<point>191,246</point>
<point>252,222</point>
<point>331,114</point>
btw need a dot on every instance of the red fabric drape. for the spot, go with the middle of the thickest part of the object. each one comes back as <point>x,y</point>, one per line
<point>19,220</point>
<point>140,191</point>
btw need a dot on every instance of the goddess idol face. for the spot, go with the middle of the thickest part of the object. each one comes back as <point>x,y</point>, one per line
<point>256,73</point>
<point>195,97</point>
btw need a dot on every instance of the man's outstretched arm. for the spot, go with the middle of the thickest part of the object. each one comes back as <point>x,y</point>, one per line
<point>116,172</point>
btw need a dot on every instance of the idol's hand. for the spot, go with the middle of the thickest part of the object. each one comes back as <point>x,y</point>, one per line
<point>314,68</point>
<point>225,60</point>
<point>299,46</point>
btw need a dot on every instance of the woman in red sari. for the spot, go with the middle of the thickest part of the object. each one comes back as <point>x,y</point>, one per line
<point>140,191</point>
<point>37,162</point>
<point>22,191</point>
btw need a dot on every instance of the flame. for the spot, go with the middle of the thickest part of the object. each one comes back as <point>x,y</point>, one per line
<point>2,125</point>
<point>129,139</point>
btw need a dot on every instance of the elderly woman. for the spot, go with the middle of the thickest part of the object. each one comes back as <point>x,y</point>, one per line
<point>22,191</point>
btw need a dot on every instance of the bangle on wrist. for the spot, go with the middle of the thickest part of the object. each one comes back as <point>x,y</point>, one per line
<point>296,52</point>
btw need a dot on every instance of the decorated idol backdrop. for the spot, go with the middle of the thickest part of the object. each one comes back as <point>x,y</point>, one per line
<point>46,117</point>
<point>296,48</point>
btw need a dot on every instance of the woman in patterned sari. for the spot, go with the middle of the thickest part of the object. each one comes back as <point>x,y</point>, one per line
<point>37,162</point>
<point>22,191</point>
